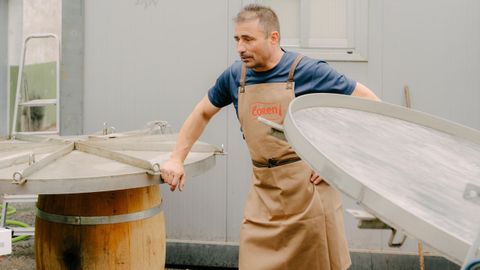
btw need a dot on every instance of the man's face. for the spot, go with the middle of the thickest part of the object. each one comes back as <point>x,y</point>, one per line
<point>253,45</point>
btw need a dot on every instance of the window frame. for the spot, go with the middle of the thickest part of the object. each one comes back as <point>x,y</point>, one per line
<point>352,49</point>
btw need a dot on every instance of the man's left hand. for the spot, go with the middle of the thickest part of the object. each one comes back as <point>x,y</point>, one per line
<point>314,178</point>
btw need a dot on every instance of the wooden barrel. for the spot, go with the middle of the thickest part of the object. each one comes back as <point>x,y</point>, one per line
<point>122,229</point>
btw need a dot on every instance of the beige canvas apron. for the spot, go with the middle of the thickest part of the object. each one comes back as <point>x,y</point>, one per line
<point>289,223</point>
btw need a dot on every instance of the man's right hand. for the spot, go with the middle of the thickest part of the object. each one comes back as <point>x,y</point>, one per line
<point>173,173</point>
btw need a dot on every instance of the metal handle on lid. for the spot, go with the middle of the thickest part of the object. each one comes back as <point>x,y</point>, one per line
<point>277,129</point>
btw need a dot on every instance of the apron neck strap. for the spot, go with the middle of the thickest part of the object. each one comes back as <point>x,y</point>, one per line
<point>242,78</point>
<point>293,66</point>
<point>290,73</point>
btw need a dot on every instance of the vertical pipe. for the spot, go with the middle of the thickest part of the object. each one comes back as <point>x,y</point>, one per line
<point>420,255</point>
<point>408,102</point>
<point>4,85</point>
<point>72,65</point>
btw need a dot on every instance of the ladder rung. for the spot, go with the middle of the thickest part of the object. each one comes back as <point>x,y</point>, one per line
<point>20,198</point>
<point>52,132</point>
<point>19,231</point>
<point>39,102</point>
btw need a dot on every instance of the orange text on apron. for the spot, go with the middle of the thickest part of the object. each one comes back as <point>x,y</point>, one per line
<point>289,223</point>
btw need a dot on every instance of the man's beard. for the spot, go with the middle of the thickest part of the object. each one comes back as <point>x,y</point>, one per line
<point>254,64</point>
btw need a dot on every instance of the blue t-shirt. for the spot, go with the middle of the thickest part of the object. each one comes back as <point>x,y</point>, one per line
<point>311,76</point>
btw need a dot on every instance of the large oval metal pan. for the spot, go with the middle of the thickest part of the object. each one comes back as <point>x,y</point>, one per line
<point>408,168</point>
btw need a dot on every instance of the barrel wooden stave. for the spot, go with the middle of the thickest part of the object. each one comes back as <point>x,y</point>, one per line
<point>137,244</point>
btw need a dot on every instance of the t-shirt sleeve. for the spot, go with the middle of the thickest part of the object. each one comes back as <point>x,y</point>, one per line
<point>219,95</point>
<point>325,79</point>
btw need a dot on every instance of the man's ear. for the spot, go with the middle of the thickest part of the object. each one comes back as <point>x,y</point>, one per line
<point>275,38</point>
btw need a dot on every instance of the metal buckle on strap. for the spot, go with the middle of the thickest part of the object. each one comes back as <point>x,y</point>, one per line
<point>271,162</point>
<point>289,85</point>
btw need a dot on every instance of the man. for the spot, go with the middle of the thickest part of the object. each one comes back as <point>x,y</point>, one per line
<point>292,218</point>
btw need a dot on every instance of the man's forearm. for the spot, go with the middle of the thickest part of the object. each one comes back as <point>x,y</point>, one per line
<point>193,128</point>
<point>189,134</point>
<point>363,92</point>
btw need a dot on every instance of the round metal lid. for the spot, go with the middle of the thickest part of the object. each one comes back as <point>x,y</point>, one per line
<point>408,168</point>
<point>33,164</point>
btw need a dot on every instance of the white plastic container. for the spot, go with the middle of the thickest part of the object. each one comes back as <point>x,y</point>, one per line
<point>5,241</point>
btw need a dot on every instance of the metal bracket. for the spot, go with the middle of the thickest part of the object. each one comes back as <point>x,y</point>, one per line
<point>369,221</point>
<point>221,151</point>
<point>392,237</point>
<point>107,130</point>
<point>159,127</point>
<point>472,193</point>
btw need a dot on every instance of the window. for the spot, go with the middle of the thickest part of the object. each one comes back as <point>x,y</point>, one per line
<point>334,30</point>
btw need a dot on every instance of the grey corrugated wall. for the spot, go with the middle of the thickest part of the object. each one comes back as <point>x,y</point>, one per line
<point>148,60</point>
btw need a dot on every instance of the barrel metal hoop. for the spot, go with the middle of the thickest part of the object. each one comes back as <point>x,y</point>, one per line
<point>100,220</point>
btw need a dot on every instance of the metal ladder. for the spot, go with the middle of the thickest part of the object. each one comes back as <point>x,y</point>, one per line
<point>21,100</point>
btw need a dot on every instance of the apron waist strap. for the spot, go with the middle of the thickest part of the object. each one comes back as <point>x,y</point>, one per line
<point>274,162</point>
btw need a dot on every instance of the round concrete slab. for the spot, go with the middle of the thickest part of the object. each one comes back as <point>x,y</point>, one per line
<point>92,164</point>
<point>408,168</point>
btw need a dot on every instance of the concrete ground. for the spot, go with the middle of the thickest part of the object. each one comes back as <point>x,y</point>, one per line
<point>23,255</point>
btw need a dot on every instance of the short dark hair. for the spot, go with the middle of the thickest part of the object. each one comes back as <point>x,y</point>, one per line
<point>265,15</point>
